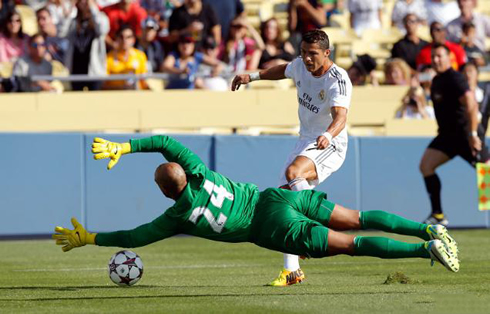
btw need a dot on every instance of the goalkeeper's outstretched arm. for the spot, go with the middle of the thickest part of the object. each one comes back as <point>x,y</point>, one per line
<point>171,149</point>
<point>159,229</point>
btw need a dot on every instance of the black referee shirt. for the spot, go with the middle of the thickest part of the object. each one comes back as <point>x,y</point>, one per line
<point>445,92</point>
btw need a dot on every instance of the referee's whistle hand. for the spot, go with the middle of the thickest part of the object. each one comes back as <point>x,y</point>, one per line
<point>476,144</point>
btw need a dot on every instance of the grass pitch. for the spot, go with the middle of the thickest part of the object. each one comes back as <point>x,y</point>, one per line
<point>190,275</point>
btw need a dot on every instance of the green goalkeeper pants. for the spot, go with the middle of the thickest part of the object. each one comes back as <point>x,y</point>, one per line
<point>292,222</point>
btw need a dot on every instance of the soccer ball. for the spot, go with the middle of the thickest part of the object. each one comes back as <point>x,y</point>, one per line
<point>125,268</point>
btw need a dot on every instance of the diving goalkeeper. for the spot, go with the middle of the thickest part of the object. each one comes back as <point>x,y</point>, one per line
<point>209,205</point>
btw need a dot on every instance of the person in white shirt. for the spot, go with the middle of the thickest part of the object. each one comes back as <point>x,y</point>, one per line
<point>365,14</point>
<point>404,7</point>
<point>324,94</point>
<point>442,12</point>
<point>414,106</point>
<point>482,24</point>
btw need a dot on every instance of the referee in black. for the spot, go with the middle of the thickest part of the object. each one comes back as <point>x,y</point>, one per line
<point>456,112</point>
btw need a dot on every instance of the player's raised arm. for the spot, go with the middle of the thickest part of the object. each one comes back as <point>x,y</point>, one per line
<point>272,74</point>
<point>159,229</point>
<point>171,149</point>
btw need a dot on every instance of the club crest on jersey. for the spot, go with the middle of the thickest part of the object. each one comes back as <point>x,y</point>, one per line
<point>321,95</point>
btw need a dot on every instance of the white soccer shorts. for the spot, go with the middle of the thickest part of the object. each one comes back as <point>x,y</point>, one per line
<point>326,161</point>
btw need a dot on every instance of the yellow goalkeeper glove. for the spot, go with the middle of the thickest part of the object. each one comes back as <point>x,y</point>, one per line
<point>73,238</point>
<point>103,149</point>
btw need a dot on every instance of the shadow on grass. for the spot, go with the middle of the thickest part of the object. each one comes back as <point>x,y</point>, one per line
<point>233,295</point>
<point>73,288</point>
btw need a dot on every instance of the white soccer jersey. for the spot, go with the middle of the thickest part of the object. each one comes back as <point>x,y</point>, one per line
<point>316,95</point>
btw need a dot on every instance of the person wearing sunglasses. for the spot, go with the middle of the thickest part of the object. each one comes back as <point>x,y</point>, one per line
<point>34,63</point>
<point>438,35</point>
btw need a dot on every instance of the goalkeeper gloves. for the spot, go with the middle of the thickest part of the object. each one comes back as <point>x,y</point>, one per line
<point>103,149</point>
<point>70,239</point>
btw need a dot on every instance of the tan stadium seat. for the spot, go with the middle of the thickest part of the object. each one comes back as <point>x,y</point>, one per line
<point>6,69</point>
<point>29,21</point>
<point>403,127</point>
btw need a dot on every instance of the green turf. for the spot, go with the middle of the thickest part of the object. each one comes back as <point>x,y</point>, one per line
<point>190,275</point>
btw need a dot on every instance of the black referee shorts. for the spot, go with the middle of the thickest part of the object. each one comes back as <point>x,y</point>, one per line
<point>453,146</point>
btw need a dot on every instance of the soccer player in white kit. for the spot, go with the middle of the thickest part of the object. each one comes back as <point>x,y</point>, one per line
<point>324,94</point>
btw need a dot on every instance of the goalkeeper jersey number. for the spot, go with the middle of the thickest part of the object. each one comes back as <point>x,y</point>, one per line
<point>211,206</point>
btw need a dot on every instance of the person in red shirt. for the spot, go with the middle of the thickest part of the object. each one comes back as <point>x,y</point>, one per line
<point>127,12</point>
<point>438,33</point>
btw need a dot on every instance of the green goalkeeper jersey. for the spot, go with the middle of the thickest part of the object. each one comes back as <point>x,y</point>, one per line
<point>211,206</point>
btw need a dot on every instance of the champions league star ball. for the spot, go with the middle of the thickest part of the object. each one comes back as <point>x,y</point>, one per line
<point>125,268</point>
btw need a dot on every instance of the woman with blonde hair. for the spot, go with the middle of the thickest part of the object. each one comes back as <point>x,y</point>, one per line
<point>397,72</point>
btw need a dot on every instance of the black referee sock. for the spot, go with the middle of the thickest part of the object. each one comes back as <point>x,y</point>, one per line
<point>433,186</point>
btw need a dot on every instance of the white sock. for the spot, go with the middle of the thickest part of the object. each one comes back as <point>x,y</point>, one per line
<point>299,184</point>
<point>291,262</point>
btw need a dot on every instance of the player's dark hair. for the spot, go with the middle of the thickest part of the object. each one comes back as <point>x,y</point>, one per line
<point>436,46</point>
<point>317,36</point>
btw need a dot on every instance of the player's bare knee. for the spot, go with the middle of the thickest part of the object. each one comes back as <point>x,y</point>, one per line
<point>293,172</point>
<point>425,168</point>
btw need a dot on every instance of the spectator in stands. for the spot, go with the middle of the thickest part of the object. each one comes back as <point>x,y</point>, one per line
<point>161,10</point>
<point>13,42</point>
<point>213,82</point>
<point>240,52</point>
<point>404,7</point>
<point>473,52</point>
<point>442,12</point>
<point>482,94</point>
<point>362,70</point>
<point>414,105</point>
<point>424,78</point>
<point>34,63</point>
<point>195,18</point>
<point>6,8</point>
<point>277,51</point>
<point>228,10</point>
<point>409,46</point>
<point>55,45</point>
<point>304,16</point>
<point>438,35</point>
<point>125,12</point>
<point>397,72</point>
<point>149,44</point>
<point>125,59</point>
<point>86,52</point>
<point>365,14</point>
<point>332,7</point>
<point>62,12</point>
<point>184,64</point>
<point>481,23</point>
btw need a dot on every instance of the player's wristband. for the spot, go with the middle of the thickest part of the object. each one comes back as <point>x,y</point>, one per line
<point>328,136</point>
<point>474,133</point>
<point>254,76</point>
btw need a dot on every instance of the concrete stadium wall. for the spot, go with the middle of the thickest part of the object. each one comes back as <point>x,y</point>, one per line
<point>47,178</point>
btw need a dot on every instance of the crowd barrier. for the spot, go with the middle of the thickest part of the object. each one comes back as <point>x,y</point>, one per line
<point>140,111</point>
<point>48,178</point>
